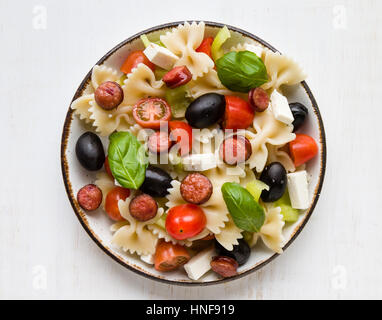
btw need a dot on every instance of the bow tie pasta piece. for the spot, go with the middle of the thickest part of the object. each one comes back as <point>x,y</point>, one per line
<point>271,231</point>
<point>282,70</point>
<point>82,105</point>
<point>183,41</point>
<point>268,131</point>
<point>104,121</point>
<point>101,74</point>
<point>141,83</point>
<point>209,82</point>
<point>134,236</point>
<point>229,235</point>
<point>276,154</point>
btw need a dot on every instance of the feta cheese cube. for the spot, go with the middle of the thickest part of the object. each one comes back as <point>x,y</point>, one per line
<point>200,264</point>
<point>199,162</point>
<point>298,189</point>
<point>280,108</point>
<point>160,56</point>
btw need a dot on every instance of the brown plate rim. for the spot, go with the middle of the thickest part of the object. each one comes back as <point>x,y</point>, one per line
<point>136,269</point>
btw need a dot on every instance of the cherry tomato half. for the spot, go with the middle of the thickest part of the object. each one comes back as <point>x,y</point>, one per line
<point>134,59</point>
<point>181,133</point>
<point>107,168</point>
<point>238,113</point>
<point>185,221</point>
<point>205,46</point>
<point>150,112</point>
<point>111,202</point>
<point>303,149</point>
<point>170,256</point>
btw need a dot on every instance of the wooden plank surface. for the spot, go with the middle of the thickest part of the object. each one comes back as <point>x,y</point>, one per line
<point>45,253</point>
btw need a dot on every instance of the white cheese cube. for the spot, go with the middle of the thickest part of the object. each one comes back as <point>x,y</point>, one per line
<point>160,56</point>
<point>200,264</point>
<point>280,108</point>
<point>199,162</point>
<point>298,190</point>
<point>254,48</point>
<point>149,259</point>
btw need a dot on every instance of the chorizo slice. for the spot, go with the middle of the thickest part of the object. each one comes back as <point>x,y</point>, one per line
<point>159,142</point>
<point>109,95</point>
<point>235,149</point>
<point>89,197</point>
<point>196,188</point>
<point>224,266</point>
<point>143,207</point>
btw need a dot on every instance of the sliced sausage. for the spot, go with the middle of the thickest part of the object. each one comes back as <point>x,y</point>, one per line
<point>224,266</point>
<point>89,197</point>
<point>196,188</point>
<point>109,95</point>
<point>259,99</point>
<point>159,142</point>
<point>235,149</point>
<point>143,207</point>
<point>177,77</point>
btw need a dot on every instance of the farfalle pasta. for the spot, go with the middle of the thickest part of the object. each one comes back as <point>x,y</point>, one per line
<point>271,232</point>
<point>134,235</point>
<point>202,151</point>
<point>268,131</point>
<point>282,70</point>
<point>104,121</point>
<point>141,83</point>
<point>229,235</point>
<point>183,41</point>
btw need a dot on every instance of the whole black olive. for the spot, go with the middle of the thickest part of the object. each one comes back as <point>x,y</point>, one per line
<point>90,152</point>
<point>300,112</point>
<point>274,176</point>
<point>240,252</point>
<point>156,183</point>
<point>206,110</point>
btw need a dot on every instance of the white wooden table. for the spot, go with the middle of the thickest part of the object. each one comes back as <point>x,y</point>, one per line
<point>46,49</point>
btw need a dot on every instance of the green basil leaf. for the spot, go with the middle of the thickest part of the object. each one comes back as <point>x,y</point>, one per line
<point>241,71</point>
<point>128,159</point>
<point>247,214</point>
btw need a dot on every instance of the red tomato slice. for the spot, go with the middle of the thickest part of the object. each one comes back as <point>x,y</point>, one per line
<point>185,221</point>
<point>170,256</point>
<point>303,149</point>
<point>151,112</point>
<point>238,113</point>
<point>205,46</point>
<point>134,59</point>
<point>181,132</point>
<point>111,202</point>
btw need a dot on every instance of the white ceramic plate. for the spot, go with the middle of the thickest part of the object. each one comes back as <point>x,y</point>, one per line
<point>97,224</point>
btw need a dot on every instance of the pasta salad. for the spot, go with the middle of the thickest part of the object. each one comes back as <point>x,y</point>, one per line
<point>205,156</point>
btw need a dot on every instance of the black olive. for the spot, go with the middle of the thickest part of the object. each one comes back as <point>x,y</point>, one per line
<point>300,112</point>
<point>206,110</point>
<point>274,176</point>
<point>90,152</point>
<point>240,252</point>
<point>156,183</point>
